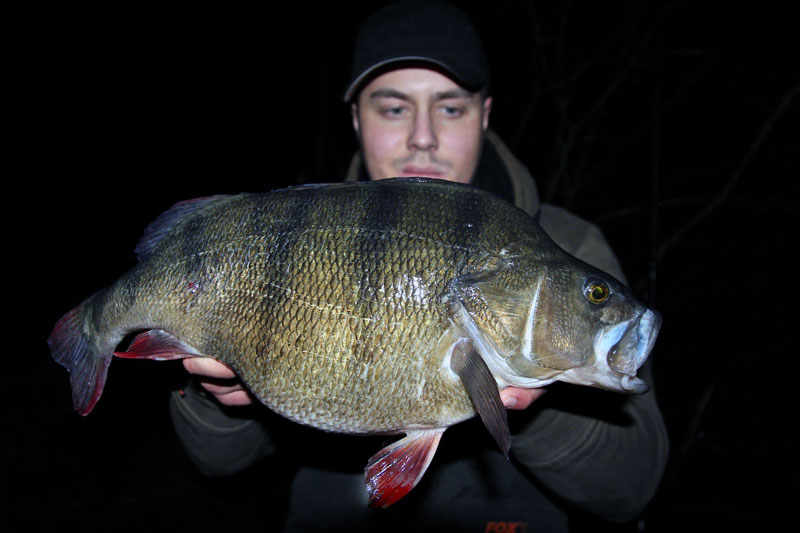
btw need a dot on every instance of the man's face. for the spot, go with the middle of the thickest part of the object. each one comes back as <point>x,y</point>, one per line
<point>418,122</point>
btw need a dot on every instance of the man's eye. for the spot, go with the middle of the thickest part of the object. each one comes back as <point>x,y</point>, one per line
<point>452,111</point>
<point>393,112</point>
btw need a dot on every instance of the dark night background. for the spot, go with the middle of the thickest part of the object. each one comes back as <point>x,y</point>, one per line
<point>672,125</point>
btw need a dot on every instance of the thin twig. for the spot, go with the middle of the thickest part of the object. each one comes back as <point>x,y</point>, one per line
<point>725,193</point>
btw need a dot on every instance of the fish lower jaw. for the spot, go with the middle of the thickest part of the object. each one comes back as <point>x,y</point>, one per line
<point>634,385</point>
<point>606,379</point>
<point>523,382</point>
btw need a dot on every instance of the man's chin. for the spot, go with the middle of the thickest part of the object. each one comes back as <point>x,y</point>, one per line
<point>426,173</point>
<point>446,176</point>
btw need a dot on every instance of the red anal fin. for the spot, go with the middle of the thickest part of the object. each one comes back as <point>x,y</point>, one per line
<point>396,469</point>
<point>158,345</point>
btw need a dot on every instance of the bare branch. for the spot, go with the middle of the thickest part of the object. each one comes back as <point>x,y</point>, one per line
<point>725,193</point>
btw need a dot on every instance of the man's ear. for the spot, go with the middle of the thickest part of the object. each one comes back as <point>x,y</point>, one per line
<point>354,116</point>
<point>487,108</point>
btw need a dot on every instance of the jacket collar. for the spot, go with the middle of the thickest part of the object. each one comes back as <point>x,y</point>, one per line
<point>499,172</point>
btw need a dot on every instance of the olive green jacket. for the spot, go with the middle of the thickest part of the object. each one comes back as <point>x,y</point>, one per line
<point>576,447</point>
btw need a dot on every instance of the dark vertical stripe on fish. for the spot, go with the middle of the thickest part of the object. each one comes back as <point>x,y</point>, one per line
<point>390,253</point>
<point>193,232</point>
<point>374,241</point>
<point>468,221</point>
<point>285,257</point>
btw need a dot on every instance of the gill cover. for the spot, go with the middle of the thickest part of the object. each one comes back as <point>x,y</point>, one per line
<point>550,337</point>
<point>507,310</point>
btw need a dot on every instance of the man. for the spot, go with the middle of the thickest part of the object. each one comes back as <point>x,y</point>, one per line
<point>420,106</point>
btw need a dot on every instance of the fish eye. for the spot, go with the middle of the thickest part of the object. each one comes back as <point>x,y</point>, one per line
<point>596,291</point>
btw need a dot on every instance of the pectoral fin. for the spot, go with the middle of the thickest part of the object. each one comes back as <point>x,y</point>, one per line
<point>482,389</point>
<point>396,469</point>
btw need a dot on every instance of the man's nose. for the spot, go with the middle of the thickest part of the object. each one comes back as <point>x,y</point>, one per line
<point>423,133</point>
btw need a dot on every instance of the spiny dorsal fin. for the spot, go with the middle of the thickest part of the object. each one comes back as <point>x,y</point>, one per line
<point>167,221</point>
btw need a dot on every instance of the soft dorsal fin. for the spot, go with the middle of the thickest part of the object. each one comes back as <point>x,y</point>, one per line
<point>167,221</point>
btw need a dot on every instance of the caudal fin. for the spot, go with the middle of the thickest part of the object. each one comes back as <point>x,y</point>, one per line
<point>71,348</point>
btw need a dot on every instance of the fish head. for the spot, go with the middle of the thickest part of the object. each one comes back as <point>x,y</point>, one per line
<point>558,319</point>
<point>589,326</point>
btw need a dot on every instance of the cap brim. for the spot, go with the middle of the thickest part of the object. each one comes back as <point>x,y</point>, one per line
<point>356,85</point>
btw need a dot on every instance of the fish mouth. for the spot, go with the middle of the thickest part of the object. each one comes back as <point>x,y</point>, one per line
<point>625,348</point>
<point>631,351</point>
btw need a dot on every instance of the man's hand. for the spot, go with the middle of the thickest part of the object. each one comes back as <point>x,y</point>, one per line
<point>219,380</point>
<point>222,382</point>
<point>516,398</point>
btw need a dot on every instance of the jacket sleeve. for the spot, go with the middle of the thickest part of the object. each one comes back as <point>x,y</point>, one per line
<point>602,452</point>
<point>219,441</point>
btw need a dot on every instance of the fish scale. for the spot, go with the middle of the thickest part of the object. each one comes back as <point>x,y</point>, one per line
<point>371,266</point>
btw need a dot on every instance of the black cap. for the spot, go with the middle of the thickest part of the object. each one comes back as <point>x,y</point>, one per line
<point>428,32</point>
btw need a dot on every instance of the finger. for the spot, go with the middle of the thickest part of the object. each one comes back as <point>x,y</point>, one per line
<point>228,392</point>
<point>218,389</point>
<point>219,380</point>
<point>205,366</point>
<point>236,398</point>
<point>516,398</point>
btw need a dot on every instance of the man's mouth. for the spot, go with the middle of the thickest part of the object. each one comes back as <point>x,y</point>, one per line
<point>425,172</point>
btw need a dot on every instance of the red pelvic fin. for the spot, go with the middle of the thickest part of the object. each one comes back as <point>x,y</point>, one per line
<point>158,345</point>
<point>396,469</point>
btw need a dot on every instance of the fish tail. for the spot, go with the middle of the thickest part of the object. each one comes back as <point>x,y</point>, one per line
<point>71,347</point>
